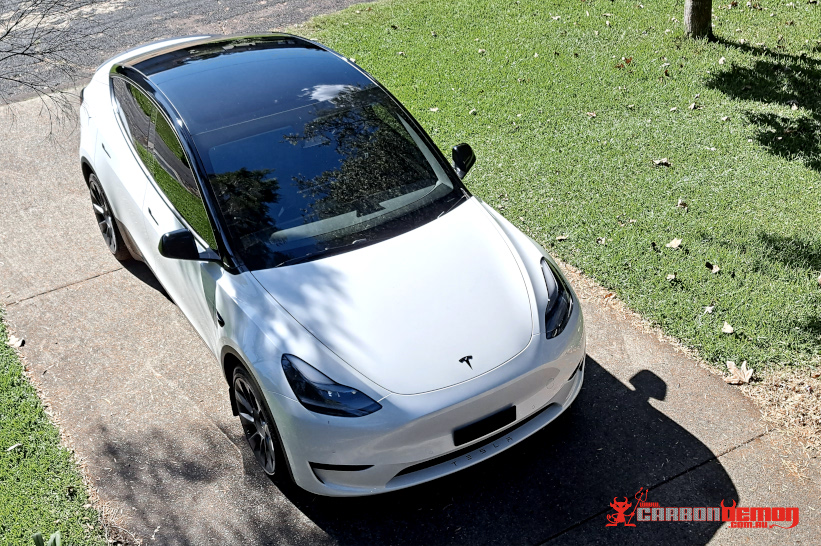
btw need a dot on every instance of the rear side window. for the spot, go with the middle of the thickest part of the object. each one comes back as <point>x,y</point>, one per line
<point>137,113</point>
<point>172,173</point>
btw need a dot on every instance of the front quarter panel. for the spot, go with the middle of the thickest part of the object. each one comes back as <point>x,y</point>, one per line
<point>259,331</point>
<point>531,254</point>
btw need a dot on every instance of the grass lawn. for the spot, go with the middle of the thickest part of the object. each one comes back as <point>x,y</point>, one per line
<point>41,489</point>
<point>739,121</point>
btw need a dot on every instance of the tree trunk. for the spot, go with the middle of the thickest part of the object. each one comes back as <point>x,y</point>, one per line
<point>698,18</point>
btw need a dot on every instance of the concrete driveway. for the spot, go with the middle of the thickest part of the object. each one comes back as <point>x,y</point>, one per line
<point>147,411</point>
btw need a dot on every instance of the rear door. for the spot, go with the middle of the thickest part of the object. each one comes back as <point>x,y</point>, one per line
<point>173,202</point>
<point>123,170</point>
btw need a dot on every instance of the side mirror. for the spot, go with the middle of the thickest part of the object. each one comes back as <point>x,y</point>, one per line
<point>179,245</point>
<point>463,159</point>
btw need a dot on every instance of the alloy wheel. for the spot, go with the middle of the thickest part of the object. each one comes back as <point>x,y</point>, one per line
<point>102,212</point>
<point>258,430</point>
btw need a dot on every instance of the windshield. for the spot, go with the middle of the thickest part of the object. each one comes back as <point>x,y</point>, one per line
<point>346,169</point>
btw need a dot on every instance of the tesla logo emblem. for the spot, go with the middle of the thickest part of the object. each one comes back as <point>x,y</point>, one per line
<point>466,360</point>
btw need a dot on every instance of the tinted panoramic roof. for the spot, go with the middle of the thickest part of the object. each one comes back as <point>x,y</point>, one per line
<point>230,81</point>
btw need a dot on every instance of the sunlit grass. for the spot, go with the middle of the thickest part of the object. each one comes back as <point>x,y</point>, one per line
<point>41,489</point>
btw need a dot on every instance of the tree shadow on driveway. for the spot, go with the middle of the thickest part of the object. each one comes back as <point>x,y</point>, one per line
<point>610,443</point>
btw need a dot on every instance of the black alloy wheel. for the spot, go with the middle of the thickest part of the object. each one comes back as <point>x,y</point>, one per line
<point>258,425</point>
<point>105,220</point>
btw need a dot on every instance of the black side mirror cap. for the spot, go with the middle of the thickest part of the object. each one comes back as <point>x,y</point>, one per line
<point>463,159</point>
<point>180,245</point>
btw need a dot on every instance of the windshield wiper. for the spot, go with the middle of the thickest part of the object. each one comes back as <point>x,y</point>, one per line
<point>316,253</point>
<point>465,195</point>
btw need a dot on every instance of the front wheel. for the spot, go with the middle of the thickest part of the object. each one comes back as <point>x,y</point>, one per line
<point>105,219</point>
<point>258,425</point>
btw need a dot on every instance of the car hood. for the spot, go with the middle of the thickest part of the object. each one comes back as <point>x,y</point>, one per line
<point>404,311</point>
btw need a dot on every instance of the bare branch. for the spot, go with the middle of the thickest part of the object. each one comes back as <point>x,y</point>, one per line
<point>40,39</point>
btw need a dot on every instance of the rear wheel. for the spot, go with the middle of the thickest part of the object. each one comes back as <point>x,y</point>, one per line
<point>105,219</point>
<point>259,427</point>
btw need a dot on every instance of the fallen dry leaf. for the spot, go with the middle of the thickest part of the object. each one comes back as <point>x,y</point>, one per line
<point>727,329</point>
<point>561,237</point>
<point>674,244</point>
<point>671,277</point>
<point>16,342</point>
<point>738,376</point>
<point>601,240</point>
<point>472,112</point>
<point>556,18</point>
<point>482,52</point>
<point>401,53</point>
<point>663,162</point>
<point>682,204</point>
<point>15,446</point>
<point>434,109</point>
<point>709,309</point>
<point>673,109</point>
<point>794,106</point>
<point>721,60</point>
<point>819,279</point>
<point>591,114</point>
<point>725,118</point>
<point>712,267</point>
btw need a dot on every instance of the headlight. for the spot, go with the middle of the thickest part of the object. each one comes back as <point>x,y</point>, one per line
<point>318,392</point>
<point>559,301</point>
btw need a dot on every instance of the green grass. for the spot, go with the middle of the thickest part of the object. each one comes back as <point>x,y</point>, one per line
<point>751,183</point>
<point>41,489</point>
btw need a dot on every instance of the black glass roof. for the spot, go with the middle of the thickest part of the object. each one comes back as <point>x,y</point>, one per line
<point>228,81</point>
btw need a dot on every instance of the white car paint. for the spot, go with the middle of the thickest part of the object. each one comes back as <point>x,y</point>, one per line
<point>391,319</point>
<point>372,307</point>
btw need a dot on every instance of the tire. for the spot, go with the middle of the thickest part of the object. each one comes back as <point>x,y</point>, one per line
<point>259,427</point>
<point>106,220</point>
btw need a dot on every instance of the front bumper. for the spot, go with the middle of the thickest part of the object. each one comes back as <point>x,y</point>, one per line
<point>410,440</point>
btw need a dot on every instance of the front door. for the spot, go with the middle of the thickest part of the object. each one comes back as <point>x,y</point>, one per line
<point>173,202</point>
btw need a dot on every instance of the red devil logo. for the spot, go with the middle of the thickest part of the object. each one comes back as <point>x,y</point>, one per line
<point>618,517</point>
<point>622,506</point>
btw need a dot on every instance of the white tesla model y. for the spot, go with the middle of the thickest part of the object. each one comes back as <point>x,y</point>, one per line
<point>378,326</point>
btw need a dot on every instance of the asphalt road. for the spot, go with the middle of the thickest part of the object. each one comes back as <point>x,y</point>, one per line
<point>146,409</point>
<point>123,24</point>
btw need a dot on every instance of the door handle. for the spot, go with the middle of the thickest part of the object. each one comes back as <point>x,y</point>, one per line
<point>220,320</point>
<point>151,214</point>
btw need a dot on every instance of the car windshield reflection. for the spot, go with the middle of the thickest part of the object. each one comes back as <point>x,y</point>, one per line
<point>346,168</point>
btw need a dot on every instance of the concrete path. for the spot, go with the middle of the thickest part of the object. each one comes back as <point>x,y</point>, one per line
<point>147,411</point>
